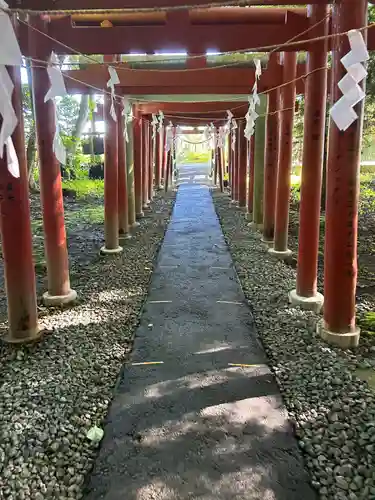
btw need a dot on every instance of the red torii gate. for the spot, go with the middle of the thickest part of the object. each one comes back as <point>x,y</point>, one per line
<point>338,325</point>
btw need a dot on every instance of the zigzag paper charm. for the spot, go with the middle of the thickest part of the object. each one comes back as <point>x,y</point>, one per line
<point>254,101</point>
<point>57,89</point>
<point>154,123</point>
<point>10,55</point>
<point>342,112</point>
<point>234,127</point>
<point>160,120</point>
<point>113,80</point>
<point>169,137</point>
<point>127,112</point>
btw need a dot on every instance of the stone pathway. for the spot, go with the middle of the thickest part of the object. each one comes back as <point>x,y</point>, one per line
<point>196,426</point>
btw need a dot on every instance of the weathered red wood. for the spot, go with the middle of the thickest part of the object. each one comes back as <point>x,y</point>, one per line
<point>16,237</point>
<point>311,182</point>
<point>123,213</point>
<point>221,166</point>
<point>158,156</point>
<point>59,290</point>
<point>137,137</point>
<point>250,193</point>
<point>134,4</point>
<point>178,34</point>
<point>288,97</point>
<point>340,266</point>
<point>242,163</point>
<point>271,160</point>
<point>145,160</point>
<point>234,161</point>
<point>111,155</point>
<point>214,81</point>
<point>150,164</point>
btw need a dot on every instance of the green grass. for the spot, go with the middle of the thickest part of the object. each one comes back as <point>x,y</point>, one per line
<point>191,157</point>
<point>85,188</point>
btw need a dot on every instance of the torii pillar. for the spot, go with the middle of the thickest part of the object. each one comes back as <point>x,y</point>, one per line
<point>306,294</point>
<point>151,164</point>
<point>250,192</point>
<point>340,255</point>
<point>259,156</point>
<point>234,161</point>
<point>123,212</point>
<point>111,215</point>
<point>158,155</point>
<point>242,164</point>
<point>137,139</point>
<point>145,163</point>
<point>271,159</point>
<point>59,291</point>
<point>16,237</point>
<point>130,171</point>
<point>288,102</point>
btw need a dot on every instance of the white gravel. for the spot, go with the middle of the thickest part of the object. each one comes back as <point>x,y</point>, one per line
<point>52,393</point>
<point>332,410</point>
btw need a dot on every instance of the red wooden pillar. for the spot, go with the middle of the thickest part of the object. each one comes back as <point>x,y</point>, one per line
<point>271,160</point>
<point>288,99</point>
<point>164,155</point>
<point>234,167</point>
<point>242,164</point>
<point>111,187</point>
<point>145,162</point>
<point>151,151</point>
<point>59,291</point>
<point>16,237</point>
<point>123,212</point>
<point>137,135</point>
<point>220,167</point>
<point>306,294</point>
<point>158,150</point>
<point>230,175</point>
<point>250,193</point>
<point>340,260</point>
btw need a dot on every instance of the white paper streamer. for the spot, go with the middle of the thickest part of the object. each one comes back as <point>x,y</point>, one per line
<point>56,79</point>
<point>12,159</point>
<point>169,137</point>
<point>127,112</point>
<point>234,127</point>
<point>160,120</point>
<point>113,80</point>
<point>58,146</point>
<point>10,53</point>
<point>342,112</point>
<point>9,118</point>
<point>154,124</point>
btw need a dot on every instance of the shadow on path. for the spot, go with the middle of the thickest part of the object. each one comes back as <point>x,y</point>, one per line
<point>196,427</point>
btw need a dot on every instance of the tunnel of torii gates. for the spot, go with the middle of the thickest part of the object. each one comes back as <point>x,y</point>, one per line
<point>266,160</point>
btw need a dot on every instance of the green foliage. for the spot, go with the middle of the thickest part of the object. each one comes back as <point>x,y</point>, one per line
<point>192,157</point>
<point>85,188</point>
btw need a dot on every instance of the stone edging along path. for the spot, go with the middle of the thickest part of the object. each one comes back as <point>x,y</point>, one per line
<point>333,412</point>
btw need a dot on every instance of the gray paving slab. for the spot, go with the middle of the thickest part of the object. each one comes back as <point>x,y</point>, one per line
<point>197,426</point>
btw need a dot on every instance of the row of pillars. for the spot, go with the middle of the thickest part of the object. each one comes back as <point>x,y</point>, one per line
<point>260,176</point>
<point>132,170</point>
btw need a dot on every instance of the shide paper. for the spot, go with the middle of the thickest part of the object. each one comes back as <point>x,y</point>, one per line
<point>342,112</point>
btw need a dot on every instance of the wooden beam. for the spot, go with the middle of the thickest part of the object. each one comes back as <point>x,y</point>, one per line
<point>177,34</point>
<point>213,81</point>
<point>135,4</point>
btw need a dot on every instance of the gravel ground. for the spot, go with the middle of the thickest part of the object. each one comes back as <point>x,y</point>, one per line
<point>52,393</point>
<point>332,410</point>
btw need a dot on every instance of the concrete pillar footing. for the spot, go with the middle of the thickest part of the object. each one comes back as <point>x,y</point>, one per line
<point>135,224</point>
<point>344,340</point>
<point>110,251</point>
<point>282,255</point>
<point>234,202</point>
<point>59,300</point>
<point>140,215</point>
<point>23,337</point>
<point>125,236</point>
<point>314,303</point>
<point>269,243</point>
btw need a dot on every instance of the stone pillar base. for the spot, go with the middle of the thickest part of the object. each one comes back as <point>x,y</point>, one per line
<point>283,255</point>
<point>135,224</point>
<point>140,215</point>
<point>146,205</point>
<point>125,236</point>
<point>255,226</point>
<point>110,251</point>
<point>24,337</point>
<point>59,300</point>
<point>309,303</point>
<point>234,202</point>
<point>343,340</point>
<point>269,243</point>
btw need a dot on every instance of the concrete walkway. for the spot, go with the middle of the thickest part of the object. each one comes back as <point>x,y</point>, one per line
<point>196,426</point>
